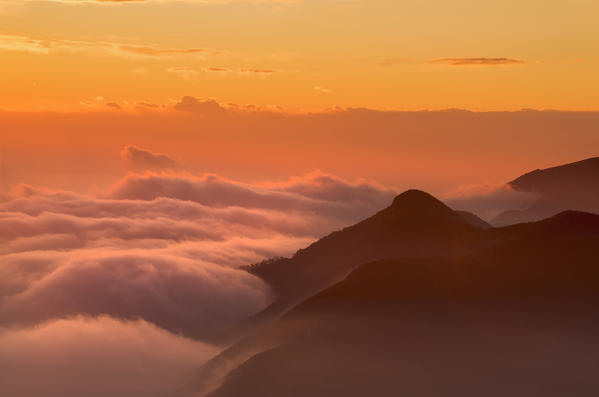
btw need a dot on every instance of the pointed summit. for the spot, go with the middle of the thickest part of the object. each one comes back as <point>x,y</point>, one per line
<point>413,197</point>
<point>415,224</point>
<point>417,200</point>
<point>573,186</point>
<point>421,207</point>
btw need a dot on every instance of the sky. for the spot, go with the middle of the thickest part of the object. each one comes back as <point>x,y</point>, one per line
<point>302,54</point>
<point>436,151</point>
<point>149,148</point>
<point>233,86</point>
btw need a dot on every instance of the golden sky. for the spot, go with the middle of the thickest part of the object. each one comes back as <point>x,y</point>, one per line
<point>261,90</point>
<point>301,55</point>
<point>436,151</point>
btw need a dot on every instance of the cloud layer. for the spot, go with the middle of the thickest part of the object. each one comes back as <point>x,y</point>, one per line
<point>177,294</point>
<point>488,200</point>
<point>164,246</point>
<point>97,357</point>
<point>131,286</point>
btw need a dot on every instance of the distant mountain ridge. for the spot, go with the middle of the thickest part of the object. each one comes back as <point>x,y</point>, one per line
<point>420,284</point>
<point>551,259</point>
<point>416,224</point>
<point>573,186</point>
<point>517,318</point>
<point>413,229</point>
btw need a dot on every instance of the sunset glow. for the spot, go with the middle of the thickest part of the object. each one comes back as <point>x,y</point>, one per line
<point>301,55</point>
<point>291,198</point>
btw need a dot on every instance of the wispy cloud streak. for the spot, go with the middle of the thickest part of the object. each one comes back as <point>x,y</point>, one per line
<point>48,46</point>
<point>480,61</point>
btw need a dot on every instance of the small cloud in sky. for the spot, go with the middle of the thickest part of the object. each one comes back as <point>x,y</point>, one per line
<point>158,51</point>
<point>479,61</point>
<point>255,71</point>
<point>322,90</point>
<point>143,159</point>
<point>182,71</point>
<point>199,106</point>
<point>215,69</point>
<point>147,105</point>
<point>239,71</point>
<point>21,43</point>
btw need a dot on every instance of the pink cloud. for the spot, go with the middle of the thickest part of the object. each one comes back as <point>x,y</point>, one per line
<point>175,293</point>
<point>97,357</point>
<point>194,105</point>
<point>142,159</point>
<point>163,247</point>
<point>319,193</point>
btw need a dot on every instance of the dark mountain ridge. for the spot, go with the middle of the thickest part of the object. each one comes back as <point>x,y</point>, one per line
<point>517,318</point>
<point>416,224</point>
<point>417,229</point>
<point>553,259</point>
<point>573,186</point>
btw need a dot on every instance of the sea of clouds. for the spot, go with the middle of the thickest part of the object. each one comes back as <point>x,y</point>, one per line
<point>125,292</point>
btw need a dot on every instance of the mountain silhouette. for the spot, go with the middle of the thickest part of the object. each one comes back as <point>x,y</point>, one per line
<point>473,219</point>
<point>516,318</point>
<point>573,186</point>
<point>554,261</point>
<point>416,224</point>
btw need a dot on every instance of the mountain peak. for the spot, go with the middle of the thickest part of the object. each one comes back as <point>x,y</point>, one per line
<point>417,200</point>
<point>567,176</point>
<point>573,186</point>
<point>413,197</point>
<point>418,206</point>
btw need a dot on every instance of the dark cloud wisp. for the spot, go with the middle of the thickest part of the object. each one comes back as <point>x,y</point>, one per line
<point>477,61</point>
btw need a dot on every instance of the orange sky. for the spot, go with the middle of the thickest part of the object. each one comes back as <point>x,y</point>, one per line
<point>301,54</point>
<point>435,151</point>
<point>275,82</point>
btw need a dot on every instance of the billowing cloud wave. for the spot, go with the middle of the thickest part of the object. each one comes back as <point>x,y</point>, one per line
<point>155,257</point>
<point>128,255</point>
<point>175,293</point>
<point>316,193</point>
<point>95,358</point>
